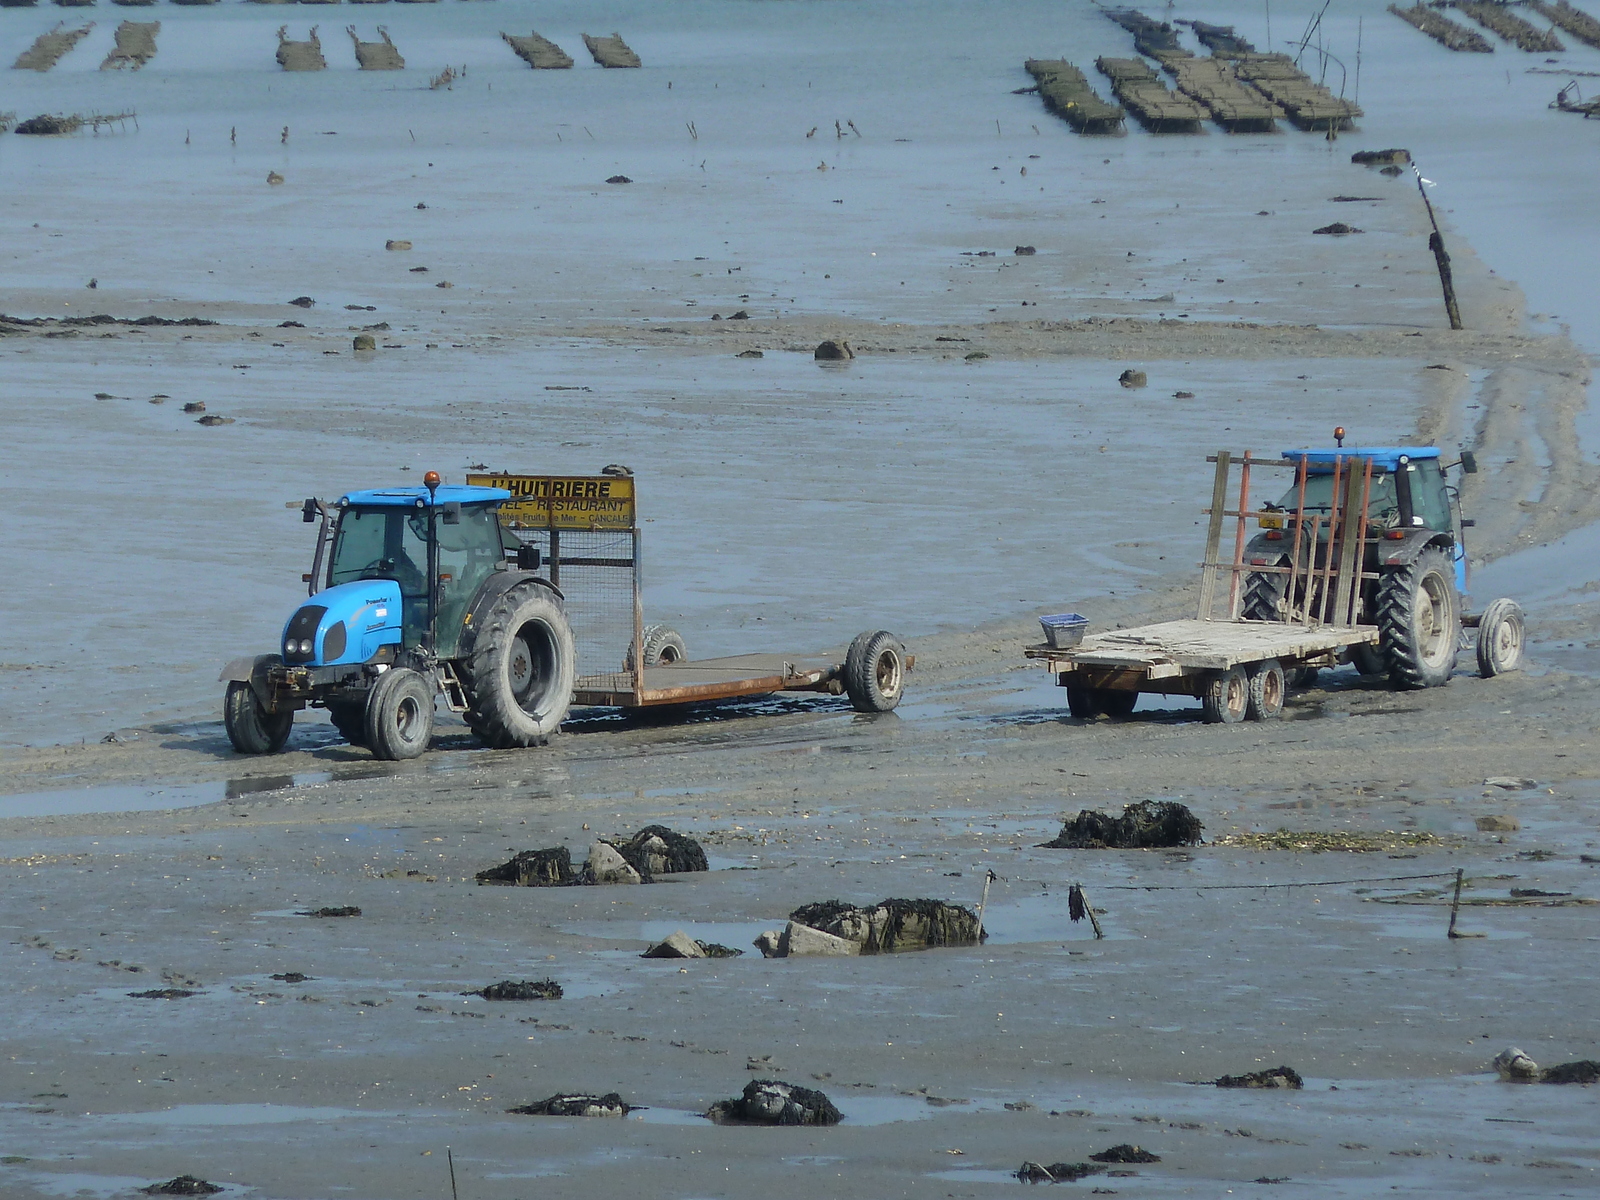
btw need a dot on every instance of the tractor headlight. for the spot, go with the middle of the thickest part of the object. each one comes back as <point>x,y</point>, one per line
<point>305,645</point>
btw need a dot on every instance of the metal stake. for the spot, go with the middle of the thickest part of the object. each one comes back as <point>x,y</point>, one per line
<point>1455,906</point>
<point>451,1159</point>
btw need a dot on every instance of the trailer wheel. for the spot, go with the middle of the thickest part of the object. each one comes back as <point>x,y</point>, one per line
<point>520,676</point>
<point>1303,677</point>
<point>1227,697</point>
<point>1500,636</point>
<point>1420,621</point>
<point>875,671</point>
<point>1368,659</point>
<point>663,646</point>
<point>399,715</point>
<point>350,719</point>
<point>1267,688</point>
<point>251,728</point>
<point>1116,702</point>
<point>1082,702</point>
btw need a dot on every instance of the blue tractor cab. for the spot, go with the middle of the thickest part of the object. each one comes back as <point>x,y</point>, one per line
<point>416,593</point>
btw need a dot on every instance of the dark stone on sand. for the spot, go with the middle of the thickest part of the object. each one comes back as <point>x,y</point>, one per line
<point>290,325</point>
<point>750,354</point>
<point>1025,251</point>
<point>183,1185</point>
<point>348,910</point>
<point>533,868</point>
<point>741,315</point>
<point>1061,1172</point>
<point>833,351</point>
<point>1277,1077</point>
<point>48,125</point>
<point>302,302</point>
<point>893,925</point>
<point>1149,823</point>
<point>1125,1154</point>
<point>976,355</point>
<point>195,406</point>
<point>657,850</point>
<point>1338,229</point>
<point>773,1102</point>
<point>1132,379</point>
<point>525,989</point>
<point>1582,1071</point>
<point>576,1104</point>
<point>164,994</point>
<point>619,179</point>
<point>291,977</point>
<point>1381,158</point>
<point>1392,171</point>
<point>211,419</point>
<point>1183,395</point>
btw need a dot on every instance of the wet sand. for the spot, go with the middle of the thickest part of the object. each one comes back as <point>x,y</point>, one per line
<point>788,505</point>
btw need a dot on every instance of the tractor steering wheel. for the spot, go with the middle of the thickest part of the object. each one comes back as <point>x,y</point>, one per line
<point>402,571</point>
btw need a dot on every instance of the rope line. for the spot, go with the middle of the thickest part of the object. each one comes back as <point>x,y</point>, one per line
<point>1226,887</point>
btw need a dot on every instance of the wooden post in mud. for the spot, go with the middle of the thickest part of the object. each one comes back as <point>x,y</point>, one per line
<point>1455,906</point>
<point>1088,911</point>
<point>451,1159</point>
<point>1440,257</point>
<point>989,877</point>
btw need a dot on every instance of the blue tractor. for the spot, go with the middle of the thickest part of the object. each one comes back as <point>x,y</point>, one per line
<point>416,593</point>
<point>1414,565</point>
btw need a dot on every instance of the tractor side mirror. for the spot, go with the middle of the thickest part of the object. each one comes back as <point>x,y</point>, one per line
<point>451,512</point>
<point>309,511</point>
<point>1469,462</point>
<point>527,558</point>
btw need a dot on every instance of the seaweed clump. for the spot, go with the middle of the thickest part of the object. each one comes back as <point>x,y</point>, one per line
<point>1061,1172</point>
<point>1145,825</point>
<point>1583,1071</point>
<point>533,868</point>
<point>576,1104</point>
<point>892,925</point>
<point>1125,1154</point>
<point>1277,1077</point>
<point>183,1185</point>
<point>657,850</point>
<point>525,989</point>
<point>773,1102</point>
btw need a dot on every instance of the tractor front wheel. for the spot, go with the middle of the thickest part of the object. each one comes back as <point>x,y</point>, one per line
<point>1420,621</point>
<point>251,728</point>
<point>520,675</point>
<point>1500,635</point>
<point>399,715</point>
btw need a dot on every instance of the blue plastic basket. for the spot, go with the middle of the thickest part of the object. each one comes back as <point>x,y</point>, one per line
<point>1064,630</point>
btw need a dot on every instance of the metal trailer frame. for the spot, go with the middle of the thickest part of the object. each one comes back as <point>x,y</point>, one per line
<point>537,505</point>
<point>1189,657</point>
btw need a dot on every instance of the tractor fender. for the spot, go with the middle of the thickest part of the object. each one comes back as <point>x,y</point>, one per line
<point>252,669</point>
<point>496,586</point>
<point>1402,552</point>
<point>1270,551</point>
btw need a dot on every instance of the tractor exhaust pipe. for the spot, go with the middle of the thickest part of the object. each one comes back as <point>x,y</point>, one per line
<point>431,482</point>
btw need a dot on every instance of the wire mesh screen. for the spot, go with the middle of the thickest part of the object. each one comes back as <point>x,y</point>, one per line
<point>595,571</point>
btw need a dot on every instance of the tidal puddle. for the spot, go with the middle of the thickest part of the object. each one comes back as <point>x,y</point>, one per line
<point>118,798</point>
<point>219,1115</point>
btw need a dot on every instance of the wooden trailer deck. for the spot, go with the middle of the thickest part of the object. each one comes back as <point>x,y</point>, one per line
<point>714,679</point>
<point>1176,648</point>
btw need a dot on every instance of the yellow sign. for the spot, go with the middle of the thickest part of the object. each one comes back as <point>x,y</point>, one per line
<point>563,501</point>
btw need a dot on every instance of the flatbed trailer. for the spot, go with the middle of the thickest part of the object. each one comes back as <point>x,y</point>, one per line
<point>1220,662</point>
<point>710,679</point>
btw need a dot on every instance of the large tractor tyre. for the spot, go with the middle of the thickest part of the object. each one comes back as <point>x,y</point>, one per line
<point>1420,621</point>
<point>350,719</point>
<point>1369,659</point>
<point>1083,702</point>
<point>1226,700</point>
<point>875,671</point>
<point>1302,678</point>
<point>399,715</point>
<point>520,676</point>
<point>1267,690</point>
<point>1263,596</point>
<point>663,647</point>
<point>1116,702</point>
<point>1500,638</point>
<point>251,728</point>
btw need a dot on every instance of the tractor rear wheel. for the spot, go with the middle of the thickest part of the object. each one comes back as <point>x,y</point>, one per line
<point>1420,621</point>
<point>399,715</point>
<point>350,719</point>
<point>251,728</point>
<point>1227,697</point>
<point>1500,635</point>
<point>875,671</point>
<point>1368,659</point>
<point>1267,689</point>
<point>1263,596</point>
<point>520,675</point>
